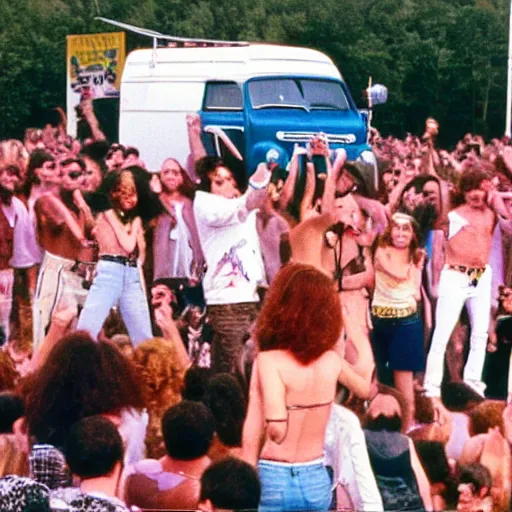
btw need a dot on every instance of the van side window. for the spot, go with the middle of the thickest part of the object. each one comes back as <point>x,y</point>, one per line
<point>222,96</point>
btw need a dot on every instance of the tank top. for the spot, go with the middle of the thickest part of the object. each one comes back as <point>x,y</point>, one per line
<point>390,459</point>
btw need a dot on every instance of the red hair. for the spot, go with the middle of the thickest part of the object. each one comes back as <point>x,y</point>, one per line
<point>301,313</point>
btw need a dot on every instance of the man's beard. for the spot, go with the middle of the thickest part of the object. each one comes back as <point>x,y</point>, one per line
<point>6,195</point>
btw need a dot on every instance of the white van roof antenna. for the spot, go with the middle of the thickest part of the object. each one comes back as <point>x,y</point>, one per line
<point>178,41</point>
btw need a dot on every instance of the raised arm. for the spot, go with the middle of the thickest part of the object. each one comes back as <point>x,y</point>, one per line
<point>219,211</point>
<point>92,121</point>
<point>306,205</point>
<point>197,149</point>
<point>291,181</point>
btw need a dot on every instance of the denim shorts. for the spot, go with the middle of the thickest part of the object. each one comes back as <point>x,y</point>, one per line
<point>398,343</point>
<point>294,487</point>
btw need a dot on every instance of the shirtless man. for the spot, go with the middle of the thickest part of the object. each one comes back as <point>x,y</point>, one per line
<point>63,223</point>
<point>466,280</point>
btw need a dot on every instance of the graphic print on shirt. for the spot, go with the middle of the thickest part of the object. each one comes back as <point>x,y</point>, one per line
<point>230,268</point>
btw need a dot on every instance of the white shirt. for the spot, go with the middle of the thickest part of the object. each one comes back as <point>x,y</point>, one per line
<point>25,252</point>
<point>346,452</point>
<point>229,239</point>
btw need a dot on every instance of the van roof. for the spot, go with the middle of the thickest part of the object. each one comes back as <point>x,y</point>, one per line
<point>227,62</point>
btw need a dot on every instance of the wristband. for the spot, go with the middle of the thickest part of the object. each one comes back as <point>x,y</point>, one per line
<point>262,185</point>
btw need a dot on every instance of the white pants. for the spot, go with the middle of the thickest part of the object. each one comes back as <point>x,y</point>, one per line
<point>6,287</point>
<point>57,284</point>
<point>455,290</point>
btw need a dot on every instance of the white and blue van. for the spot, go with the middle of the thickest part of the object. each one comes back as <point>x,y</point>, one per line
<point>265,98</point>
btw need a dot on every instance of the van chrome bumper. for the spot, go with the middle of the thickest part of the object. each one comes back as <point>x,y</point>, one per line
<point>334,138</point>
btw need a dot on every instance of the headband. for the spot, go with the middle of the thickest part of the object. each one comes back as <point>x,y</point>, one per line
<point>402,218</point>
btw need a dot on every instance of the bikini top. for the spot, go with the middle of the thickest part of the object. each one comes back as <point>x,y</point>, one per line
<point>294,408</point>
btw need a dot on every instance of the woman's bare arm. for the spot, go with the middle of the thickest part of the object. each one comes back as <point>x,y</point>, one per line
<point>289,185</point>
<point>306,204</point>
<point>126,239</point>
<point>254,426</point>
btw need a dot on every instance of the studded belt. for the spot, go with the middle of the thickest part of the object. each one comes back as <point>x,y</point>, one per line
<point>474,273</point>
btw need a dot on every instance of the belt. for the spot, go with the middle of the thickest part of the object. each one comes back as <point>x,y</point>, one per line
<point>122,260</point>
<point>390,312</point>
<point>474,274</point>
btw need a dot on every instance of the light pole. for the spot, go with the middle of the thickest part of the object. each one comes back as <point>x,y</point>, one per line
<point>509,78</point>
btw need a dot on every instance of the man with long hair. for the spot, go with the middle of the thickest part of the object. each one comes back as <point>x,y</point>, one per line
<point>466,279</point>
<point>64,225</point>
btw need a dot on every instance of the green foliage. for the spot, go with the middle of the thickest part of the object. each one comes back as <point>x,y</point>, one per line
<point>443,58</point>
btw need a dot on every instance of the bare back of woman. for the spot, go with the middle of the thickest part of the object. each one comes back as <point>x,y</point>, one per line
<point>297,403</point>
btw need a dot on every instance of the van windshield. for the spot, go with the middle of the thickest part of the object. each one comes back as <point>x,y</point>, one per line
<point>304,93</point>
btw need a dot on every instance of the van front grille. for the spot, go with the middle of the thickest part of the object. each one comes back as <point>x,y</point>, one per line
<point>334,138</point>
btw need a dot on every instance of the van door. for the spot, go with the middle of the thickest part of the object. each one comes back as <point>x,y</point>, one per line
<point>222,117</point>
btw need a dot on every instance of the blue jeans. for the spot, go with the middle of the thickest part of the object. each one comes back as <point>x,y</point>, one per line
<point>294,487</point>
<point>116,284</point>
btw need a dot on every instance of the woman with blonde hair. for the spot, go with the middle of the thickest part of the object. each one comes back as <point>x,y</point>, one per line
<point>293,386</point>
<point>161,366</point>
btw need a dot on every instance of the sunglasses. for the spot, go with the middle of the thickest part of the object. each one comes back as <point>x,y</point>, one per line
<point>9,171</point>
<point>74,175</point>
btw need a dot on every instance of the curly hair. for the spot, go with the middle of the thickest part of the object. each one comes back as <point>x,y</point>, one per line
<point>301,313</point>
<point>80,378</point>
<point>160,373</point>
<point>161,376</point>
<point>486,415</point>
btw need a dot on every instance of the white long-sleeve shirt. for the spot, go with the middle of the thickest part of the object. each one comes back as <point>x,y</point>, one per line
<point>346,452</point>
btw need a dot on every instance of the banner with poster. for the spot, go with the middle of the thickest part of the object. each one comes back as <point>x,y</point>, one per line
<point>94,66</point>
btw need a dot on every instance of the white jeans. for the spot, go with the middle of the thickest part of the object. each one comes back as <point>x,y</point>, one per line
<point>455,290</point>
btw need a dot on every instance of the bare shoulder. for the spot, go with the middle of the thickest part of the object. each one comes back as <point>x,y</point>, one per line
<point>332,361</point>
<point>270,358</point>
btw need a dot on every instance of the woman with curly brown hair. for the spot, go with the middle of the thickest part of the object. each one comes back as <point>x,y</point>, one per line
<point>293,386</point>
<point>82,378</point>
<point>161,372</point>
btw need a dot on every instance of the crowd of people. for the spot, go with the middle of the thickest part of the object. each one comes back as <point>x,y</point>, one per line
<point>182,339</point>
